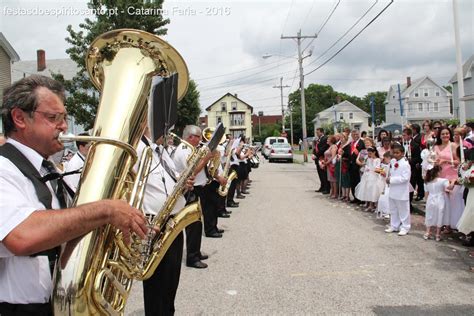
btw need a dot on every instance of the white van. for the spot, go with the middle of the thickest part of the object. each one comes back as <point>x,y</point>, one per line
<point>269,141</point>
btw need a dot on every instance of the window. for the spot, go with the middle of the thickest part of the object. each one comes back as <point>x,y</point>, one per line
<point>224,106</point>
<point>437,92</point>
<point>435,107</point>
<point>234,106</point>
<point>237,119</point>
<point>341,116</point>
<point>416,94</point>
<point>428,107</point>
<point>393,96</point>
<point>410,107</point>
<point>351,116</point>
<point>426,92</point>
<point>420,107</point>
<point>219,119</point>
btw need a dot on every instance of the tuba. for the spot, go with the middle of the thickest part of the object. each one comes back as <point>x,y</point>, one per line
<point>214,163</point>
<point>96,276</point>
<point>224,189</point>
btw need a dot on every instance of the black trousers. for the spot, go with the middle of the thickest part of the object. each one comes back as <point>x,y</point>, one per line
<point>323,177</point>
<point>233,186</point>
<point>210,206</point>
<point>194,230</point>
<point>7,309</point>
<point>416,180</point>
<point>159,291</point>
<point>354,175</point>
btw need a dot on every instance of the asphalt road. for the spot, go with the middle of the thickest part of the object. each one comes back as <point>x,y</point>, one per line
<point>288,250</point>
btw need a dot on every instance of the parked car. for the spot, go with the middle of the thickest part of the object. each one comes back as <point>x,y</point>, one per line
<point>269,141</point>
<point>280,151</point>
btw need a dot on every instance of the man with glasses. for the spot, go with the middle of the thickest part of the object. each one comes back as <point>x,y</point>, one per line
<point>33,225</point>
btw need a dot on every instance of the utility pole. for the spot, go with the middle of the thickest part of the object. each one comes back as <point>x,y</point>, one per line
<point>460,74</point>
<point>281,86</point>
<point>298,38</point>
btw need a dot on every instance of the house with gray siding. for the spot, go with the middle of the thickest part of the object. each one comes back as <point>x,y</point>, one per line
<point>342,114</point>
<point>7,57</point>
<point>467,72</point>
<point>421,99</point>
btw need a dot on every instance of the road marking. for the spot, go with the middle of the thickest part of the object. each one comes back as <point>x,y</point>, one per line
<point>231,292</point>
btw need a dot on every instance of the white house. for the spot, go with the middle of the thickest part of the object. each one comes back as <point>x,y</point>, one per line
<point>468,71</point>
<point>235,114</point>
<point>345,114</point>
<point>8,56</point>
<point>421,99</point>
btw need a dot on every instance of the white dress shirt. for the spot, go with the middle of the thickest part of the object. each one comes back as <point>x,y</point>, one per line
<point>23,279</point>
<point>76,163</point>
<point>180,161</point>
<point>160,184</point>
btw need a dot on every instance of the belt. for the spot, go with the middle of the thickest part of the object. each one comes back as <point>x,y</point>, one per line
<point>37,309</point>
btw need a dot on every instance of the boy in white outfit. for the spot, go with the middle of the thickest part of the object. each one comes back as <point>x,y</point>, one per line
<point>399,194</point>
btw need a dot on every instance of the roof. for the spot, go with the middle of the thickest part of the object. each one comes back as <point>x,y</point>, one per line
<point>344,106</point>
<point>232,95</point>
<point>404,90</point>
<point>8,48</point>
<point>66,67</point>
<point>465,69</point>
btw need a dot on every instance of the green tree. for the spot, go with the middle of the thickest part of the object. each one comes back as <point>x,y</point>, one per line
<point>449,88</point>
<point>379,107</point>
<point>188,108</point>
<point>83,97</point>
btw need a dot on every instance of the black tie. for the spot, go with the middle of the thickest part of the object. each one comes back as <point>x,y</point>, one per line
<point>56,181</point>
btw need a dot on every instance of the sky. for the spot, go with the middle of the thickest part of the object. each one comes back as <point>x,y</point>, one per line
<point>223,42</point>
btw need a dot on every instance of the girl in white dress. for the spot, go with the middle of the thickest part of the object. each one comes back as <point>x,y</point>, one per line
<point>371,184</point>
<point>383,205</point>
<point>436,203</point>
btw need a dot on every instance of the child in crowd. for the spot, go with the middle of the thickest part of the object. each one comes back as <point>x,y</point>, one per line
<point>399,194</point>
<point>435,190</point>
<point>383,205</point>
<point>370,186</point>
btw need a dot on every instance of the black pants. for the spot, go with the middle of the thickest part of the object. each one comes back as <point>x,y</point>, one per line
<point>354,175</point>
<point>416,181</point>
<point>159,291</point>
<point>210,206</point>
<point>233,186</point>
<point>7,309</point>
<point>323,177</point>
<point>194,230</point>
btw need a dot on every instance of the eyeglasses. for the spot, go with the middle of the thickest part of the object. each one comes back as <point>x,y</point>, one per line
<point>437,127</point>
<point>54,117</point>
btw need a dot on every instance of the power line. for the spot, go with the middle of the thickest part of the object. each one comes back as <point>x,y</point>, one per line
<point>324,24</point>
<point>343,35</point>
<point>353,38</point>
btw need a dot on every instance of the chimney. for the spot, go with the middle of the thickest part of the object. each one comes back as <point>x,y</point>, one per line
<point>408,81</point>
<point>338,99</point>
<point>235,95</point>
<point>41,59</point>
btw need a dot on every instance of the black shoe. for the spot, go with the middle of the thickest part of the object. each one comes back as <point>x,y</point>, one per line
<point>224,215</point>
<point>418,199</point>
<point>197,264</point>
<point>233,204</point>
<point>319,190</point>
<point>220,230</point>
<point>245,192</point>
<point>203,256</point>
<point>214,235</point>
<point>240,196</point>
<point>325,192</point>
<point>228,212</point>
<point>354,201</point>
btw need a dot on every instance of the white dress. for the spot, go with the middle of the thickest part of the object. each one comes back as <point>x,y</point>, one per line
<point>466,223</point>
<point>371,184</point>
<point>383,206</point>
<point>437,202</point>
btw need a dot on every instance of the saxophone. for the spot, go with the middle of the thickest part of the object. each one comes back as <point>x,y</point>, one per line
<point>96,276</point>
<point>224,189</point>
<point>170,226</point>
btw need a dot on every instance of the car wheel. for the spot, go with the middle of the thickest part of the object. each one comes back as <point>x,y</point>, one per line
<point>270,160</point>
<point>290,160</point>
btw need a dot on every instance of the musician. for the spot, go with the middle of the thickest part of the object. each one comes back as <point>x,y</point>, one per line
<point>159,290</point>
<point>318,151</point>
<point>242,173</point>
<point>76,163</point>
<point>221,200</point>
<point>192,135</point>
<point>32,223</point>
<point>234,165</point>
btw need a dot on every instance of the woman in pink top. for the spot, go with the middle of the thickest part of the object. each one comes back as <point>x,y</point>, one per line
<point>448,160</point>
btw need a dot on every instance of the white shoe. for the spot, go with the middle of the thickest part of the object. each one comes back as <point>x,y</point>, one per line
<point>403,232</point>
<point>391,230</point>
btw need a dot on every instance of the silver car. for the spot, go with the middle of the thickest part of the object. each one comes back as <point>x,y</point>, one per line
<point>280,151</point>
